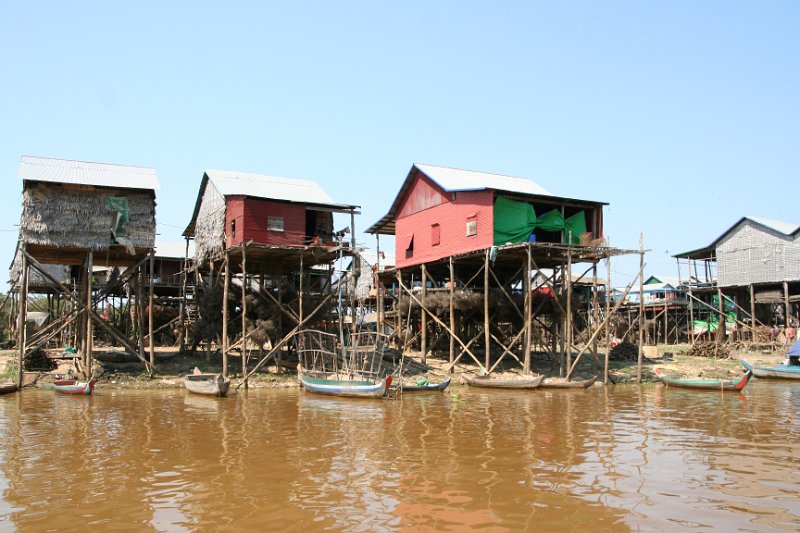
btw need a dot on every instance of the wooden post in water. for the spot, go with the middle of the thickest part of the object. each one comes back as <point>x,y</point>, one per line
<point>22,317</point>
<point>526,286</point>
<point>608,319</point>
<point>452,313</point>
<point>752,313</point>
<point>140,309</point>
<point>721,321</point>
<point>423,343</point>
<point>244,314</point>
<point>486,332</point>
<point>691,316</point>
<point>225,342</point>
<point>150,302</point>
<point>787,314</point>
<point>568,333</point>
<point>594,308</point>
<point>89,311</point>
<point>641,309</point>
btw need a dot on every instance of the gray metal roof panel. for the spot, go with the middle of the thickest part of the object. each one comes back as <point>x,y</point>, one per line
<point>256,185</point>
<point>32,168</point>
<point>455,179</point>
<point>781,227</point>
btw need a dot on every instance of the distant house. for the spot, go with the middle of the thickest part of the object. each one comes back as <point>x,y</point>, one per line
<point>443,211</point>
<point>653,294</point>
<point>754,251</point>
<point>72,207</point>
<point>233,208</point>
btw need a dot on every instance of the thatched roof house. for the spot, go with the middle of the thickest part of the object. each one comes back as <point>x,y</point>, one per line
<point>72,207</point>
<point>234,208</point>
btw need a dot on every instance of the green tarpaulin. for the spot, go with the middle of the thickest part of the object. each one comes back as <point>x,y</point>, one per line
<point>120,206</point>
<point>515,221</point>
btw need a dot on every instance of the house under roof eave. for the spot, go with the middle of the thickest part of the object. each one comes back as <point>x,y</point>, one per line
<point>458,180</point>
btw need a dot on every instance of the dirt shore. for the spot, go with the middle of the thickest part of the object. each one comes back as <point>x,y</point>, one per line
<point>171,366</point>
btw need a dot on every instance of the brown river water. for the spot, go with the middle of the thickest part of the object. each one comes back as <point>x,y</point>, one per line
<point>623,458</point>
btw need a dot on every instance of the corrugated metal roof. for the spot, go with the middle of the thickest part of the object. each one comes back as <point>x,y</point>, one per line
<point>32,168</point>
<point>781,227</point>
<point>255,185</point>
<point>455,179</point>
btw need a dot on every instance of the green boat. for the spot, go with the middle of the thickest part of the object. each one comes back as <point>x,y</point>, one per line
<point>705,384</point>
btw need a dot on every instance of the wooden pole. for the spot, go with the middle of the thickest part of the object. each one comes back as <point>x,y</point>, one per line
<point>90,310</point>
<point>721,323</point>
<point>424,317</point>
<point>140,310</point>
<point>594,307</point>
<point>528,304</point>
<point>641,309</point>
<point>786,308</point>
<point>377,283</point>
<point>22,317</point>
<point>609,290</point>
<point>752,313</point>
<point>569,332</point>
<point>150,302</point>
<point>244,315</point>
<point>182,311</point>
<point>691,316</point>
<point>452,285</point>
<point>225,340</point>
<point>300,296</point>
<point>486,333</point>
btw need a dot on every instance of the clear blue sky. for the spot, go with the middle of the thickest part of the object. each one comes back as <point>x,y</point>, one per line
<point>684,116</point>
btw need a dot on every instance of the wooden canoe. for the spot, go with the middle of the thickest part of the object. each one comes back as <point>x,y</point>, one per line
<point>422,388</point>
<point>522,382</point>
<point>557,383</point>
<point>207,384</point>
<point>73,386</point>
<point>705,384</point>
<point>774,372</point>
<point>5,388</point>
<point>341,385</point>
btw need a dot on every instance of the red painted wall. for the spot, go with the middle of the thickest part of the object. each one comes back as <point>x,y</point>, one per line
<point>452,218</point>
<point>251,215</point>
<point>423,194</point>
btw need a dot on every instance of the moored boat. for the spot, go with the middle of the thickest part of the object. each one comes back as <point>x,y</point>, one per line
<point>522,382</point>
<point>705,384</point>
<point>774,372</point>
<point>424,387</point>
<point>207,384</point>
<point>5,388</point>
<point>558,383</point>
<point>337,384</point>
<point>73,386</point>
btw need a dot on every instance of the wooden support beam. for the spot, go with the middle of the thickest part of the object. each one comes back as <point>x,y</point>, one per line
<point>22,315</point>
<point>487,338</point>
<point>752,313</point>
<point>244,315</point>
<point>641,310</point>
<point>150,302</point>
<point>452,285</point>
<point>226,265</point>
<point>528,310</point>
<point>424,317</point>
<point>90,311</point>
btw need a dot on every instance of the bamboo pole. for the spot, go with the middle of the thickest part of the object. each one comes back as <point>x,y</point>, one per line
<point>140,310</point>
<point>607,322</point>
<point>569,333</point>
<point>594,306</point>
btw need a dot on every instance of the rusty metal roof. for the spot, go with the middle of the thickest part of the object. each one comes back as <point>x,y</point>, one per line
<point>32,168</point>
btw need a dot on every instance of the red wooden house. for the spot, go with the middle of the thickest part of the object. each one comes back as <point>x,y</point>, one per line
<point>233,208</point>
<point>441,211</point>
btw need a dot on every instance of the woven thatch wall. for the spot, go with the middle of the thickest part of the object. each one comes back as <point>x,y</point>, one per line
<point>35,279</point>
<point>58,216</point>
<point>209,236</point>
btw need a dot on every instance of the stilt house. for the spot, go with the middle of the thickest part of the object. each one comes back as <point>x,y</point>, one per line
<point>236,208</point>
<point>72,207</point>
<point>440,212</point>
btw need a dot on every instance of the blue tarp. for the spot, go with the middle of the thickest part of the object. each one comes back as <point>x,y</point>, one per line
<point>794,351</point>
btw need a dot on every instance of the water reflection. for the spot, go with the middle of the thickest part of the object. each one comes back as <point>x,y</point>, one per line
<point>617,458</point>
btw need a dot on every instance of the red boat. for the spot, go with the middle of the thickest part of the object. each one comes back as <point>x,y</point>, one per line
<point>73,386</point>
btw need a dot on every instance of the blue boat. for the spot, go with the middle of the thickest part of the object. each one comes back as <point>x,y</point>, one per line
<point>774,372</point>
<point>336,384</point>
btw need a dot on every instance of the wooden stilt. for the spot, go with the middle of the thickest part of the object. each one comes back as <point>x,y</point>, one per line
<point>569,333</point>
<point>609,291</point>
<point>787,310</point>
<point>594,307</point>
<point>90,309</point>
<point>244,315</point>
<point>691,316</point>
<point>22,317</point>
<point>451,286</point>
<point>527,322</point>
<point>641,310</point>
<point>150,302</point>
<point>486,332</point>
<point>424,318</point>
<point>752,313</point>
<point>225,339</point>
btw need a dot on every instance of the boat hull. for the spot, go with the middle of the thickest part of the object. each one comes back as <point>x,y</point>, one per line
<point>6,388</point>
<point>71,386</point>
<point>207,384</point>
<point>773,372</point>
<point>423,388</point>
<point>499,383</point>
<point>584,384</point>
<point>319,383</point>
<point>705,384</point>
